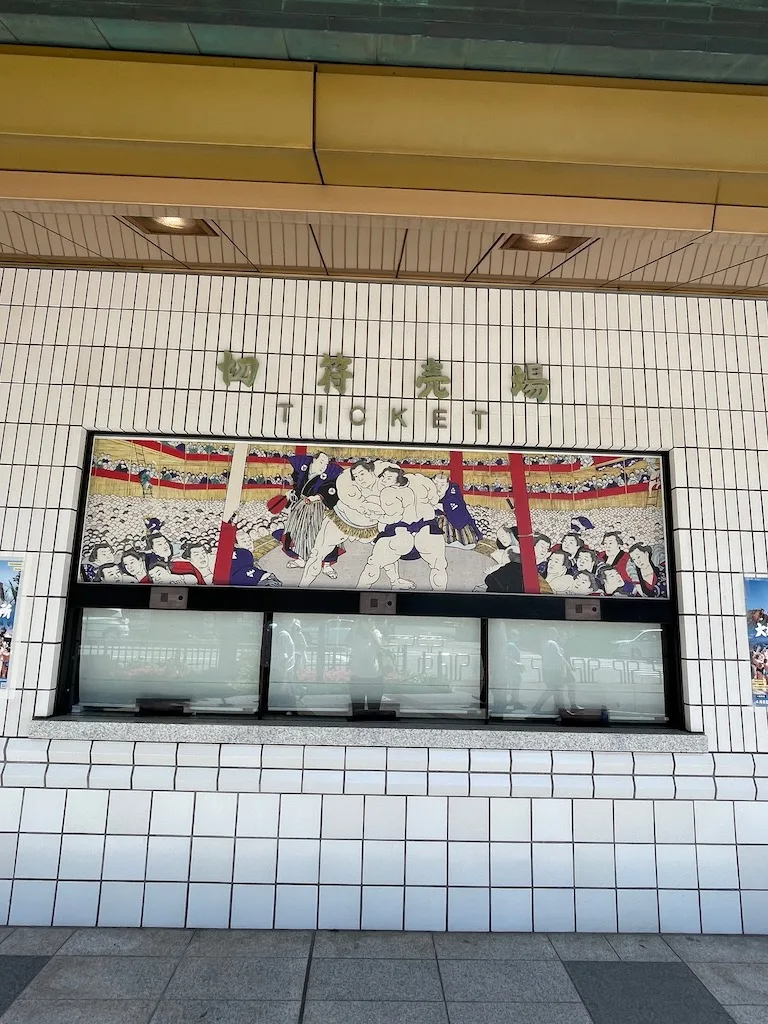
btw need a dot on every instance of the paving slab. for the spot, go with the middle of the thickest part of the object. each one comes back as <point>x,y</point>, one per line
<point>363,980</point>
<point>357,1012</point>
<point>727,949</point>
<point>583,946</point>
<point>16,973</point>
<point>126,942</point>
<point>238,978</point>
<point>103,977</point>
<point>375,945</point>
<point>34,941</point>
<point>511,981</point>
<point>79,1011</point>
<point>517,1013</point>
<point>239,942</point>
<point>225,1011</point>
<point>645,993</point>
<point>734,983</point>
<point>749,1014</point>
<point>642,947</point>
<point>503,946</point>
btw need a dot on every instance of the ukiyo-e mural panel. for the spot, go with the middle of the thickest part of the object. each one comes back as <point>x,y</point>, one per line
<point>757,633</point>
<point>10,586</point>
<point>256,513</point>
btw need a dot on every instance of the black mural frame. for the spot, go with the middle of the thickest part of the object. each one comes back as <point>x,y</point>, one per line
<point>661,612</point>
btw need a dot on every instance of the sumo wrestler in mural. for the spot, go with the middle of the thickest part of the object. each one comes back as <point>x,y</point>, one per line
<point>408,523</point>
<point>355,516</point>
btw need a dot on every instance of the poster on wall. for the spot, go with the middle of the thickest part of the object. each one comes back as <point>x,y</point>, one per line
<point>757,633</point>
<point>10,584</point>
<point>265,514</point>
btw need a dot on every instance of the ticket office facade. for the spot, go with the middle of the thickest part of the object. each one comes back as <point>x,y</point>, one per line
<point>485,510</point>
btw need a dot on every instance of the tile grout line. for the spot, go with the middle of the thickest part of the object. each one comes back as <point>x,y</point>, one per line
<point>440,976</point>
<point>305,988</point>
<point>173,974</point>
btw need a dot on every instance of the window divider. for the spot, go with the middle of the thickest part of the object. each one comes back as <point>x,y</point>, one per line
<point>484,700</point>
<point>264,667</point>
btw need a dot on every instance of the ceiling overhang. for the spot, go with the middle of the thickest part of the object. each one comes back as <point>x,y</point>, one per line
<point>402,129</point>
<point>384,235</point>
<point>362,174</point>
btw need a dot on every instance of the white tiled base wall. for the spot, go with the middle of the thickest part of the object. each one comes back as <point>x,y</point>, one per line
<point>218,836</point>
<point>293,836</point>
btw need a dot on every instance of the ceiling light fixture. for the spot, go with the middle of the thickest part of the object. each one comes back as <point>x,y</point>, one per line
<point>543,243</point>
<point>171,225</point>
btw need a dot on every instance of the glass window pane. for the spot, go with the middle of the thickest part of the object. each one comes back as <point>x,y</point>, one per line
<point>375,666</point>
<point>209,658</point>
<point>612,668</point>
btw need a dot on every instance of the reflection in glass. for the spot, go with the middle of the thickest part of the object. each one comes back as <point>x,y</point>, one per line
<point>613,669</point>
<point>209,658</point>
<point>375,666</point>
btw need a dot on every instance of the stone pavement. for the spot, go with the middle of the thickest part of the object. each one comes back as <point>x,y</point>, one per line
<point>137,976</point>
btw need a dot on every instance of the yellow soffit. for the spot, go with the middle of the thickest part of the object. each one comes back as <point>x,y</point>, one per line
<point>152,118</point>
<point>243,121</point>
<point>27,190</point>
<point>596,138</point>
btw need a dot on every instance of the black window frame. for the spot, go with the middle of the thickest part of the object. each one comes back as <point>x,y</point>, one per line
<point>660,612</point>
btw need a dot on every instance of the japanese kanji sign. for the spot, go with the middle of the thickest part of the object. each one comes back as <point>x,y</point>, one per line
<point>238,369</point>
<point>335,373</point>
<point>530,382</point>
<point>432,380</point>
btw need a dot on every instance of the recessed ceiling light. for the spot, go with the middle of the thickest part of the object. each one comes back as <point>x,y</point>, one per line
<point>171,225</point>
<point>543,243</point>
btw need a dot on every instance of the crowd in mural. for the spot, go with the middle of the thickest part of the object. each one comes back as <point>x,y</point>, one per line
<point>599,481</point>
<point>148,474</point>
<point>390,509</point>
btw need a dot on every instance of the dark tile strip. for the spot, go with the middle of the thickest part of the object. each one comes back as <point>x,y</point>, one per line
<point>644,993</point>
<point>16,973</point>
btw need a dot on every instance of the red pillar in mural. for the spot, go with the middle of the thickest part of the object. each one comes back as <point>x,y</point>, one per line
<point>524,527</point>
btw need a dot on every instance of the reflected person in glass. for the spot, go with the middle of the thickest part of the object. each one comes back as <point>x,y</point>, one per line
<point>558,676</point>
<point>507,698</point>
<point>367,663</point>
<point>283,653</point>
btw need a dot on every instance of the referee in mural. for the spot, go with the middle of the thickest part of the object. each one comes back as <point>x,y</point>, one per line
<point>314,493</point>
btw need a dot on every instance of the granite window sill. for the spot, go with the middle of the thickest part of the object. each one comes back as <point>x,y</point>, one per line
<point>331,734</point>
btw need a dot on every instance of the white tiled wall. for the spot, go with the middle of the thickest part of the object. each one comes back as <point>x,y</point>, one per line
<point>398,849</point>
<point>158,834</point>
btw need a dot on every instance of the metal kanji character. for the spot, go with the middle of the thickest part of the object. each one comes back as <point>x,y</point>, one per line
<point>335,373</point>
<point>433,379</point>
<point>529,381</point>
<point>518,380</point>
<point>241,370</point>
